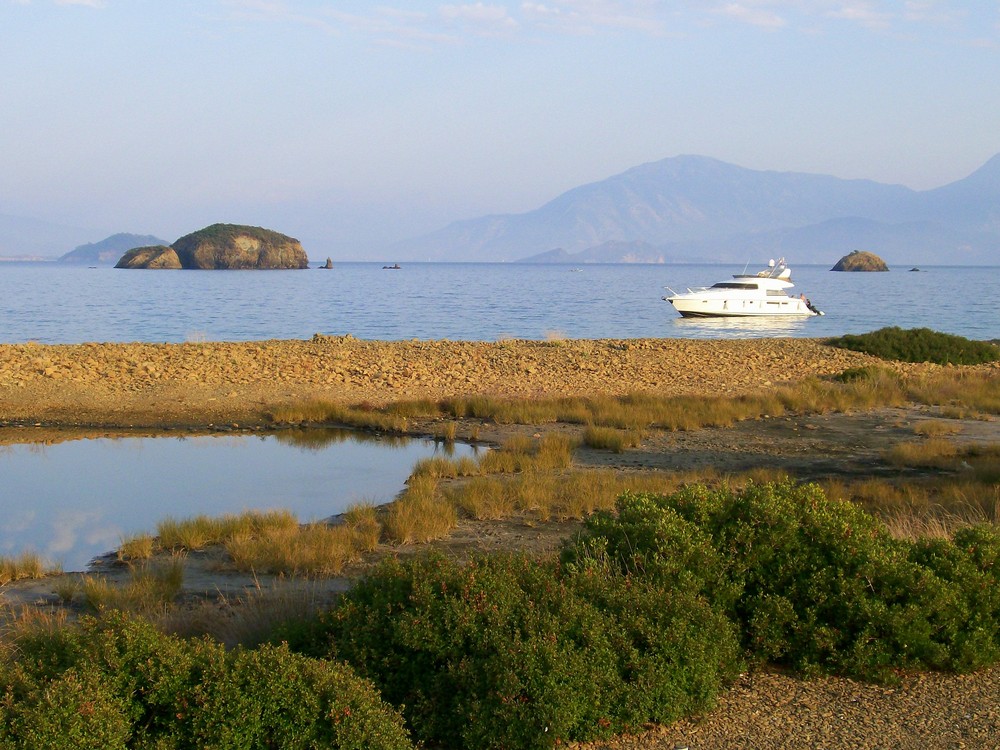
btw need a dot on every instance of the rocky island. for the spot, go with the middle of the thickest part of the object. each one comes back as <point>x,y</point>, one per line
<point>860,260</point>
<point>221,246</point>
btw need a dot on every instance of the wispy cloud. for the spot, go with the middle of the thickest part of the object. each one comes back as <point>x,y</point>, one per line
<point>83,3</point>
<point>863,13</point>
<point>753,14</point>
<point>457,23</point>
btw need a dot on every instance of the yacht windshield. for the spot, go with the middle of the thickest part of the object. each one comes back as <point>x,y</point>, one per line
<point>733,285</point>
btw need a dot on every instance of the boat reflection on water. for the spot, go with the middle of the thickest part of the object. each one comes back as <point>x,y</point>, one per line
<point>756,327</point>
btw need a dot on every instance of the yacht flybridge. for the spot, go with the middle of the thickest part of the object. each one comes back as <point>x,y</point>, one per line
<point>747,295</point>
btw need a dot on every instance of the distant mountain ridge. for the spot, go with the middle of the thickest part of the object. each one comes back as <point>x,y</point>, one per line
<point>110,249</point>
<point>695,208</point>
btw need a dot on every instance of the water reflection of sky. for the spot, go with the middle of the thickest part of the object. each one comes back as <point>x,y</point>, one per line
<point>71,501</point>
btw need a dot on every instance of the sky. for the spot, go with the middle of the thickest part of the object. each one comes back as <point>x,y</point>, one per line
<point>351,125</point>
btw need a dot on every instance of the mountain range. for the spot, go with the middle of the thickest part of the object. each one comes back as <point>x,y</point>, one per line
<point>699,209</point>
<point>110,249</point>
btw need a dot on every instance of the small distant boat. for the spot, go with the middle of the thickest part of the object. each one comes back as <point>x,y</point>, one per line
<point>914,269</point>
<point>748,295</point>
<point>393,267</point>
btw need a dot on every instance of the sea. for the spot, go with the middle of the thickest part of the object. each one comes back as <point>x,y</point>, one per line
<point>52,303</point>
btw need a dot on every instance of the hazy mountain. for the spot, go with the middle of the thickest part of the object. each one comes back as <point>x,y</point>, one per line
<point>22,237</point>
<point>110,249</point>
<point>693,208</point>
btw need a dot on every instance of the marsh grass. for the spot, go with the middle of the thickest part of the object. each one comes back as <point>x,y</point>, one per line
<point>962,393</point>
<point>151,586</point>
<point>18,622</point>
<point>570,494</point>
<point>137,547</point>
<point>203,531</point>
<point>418,514</point>
<point>936,427</point>
<point>250,619</point>
<point>611,438</point>
<point>313,550</point>
<point>25,565</point>
<point>392,419</point>
<point>931,506</point>
<point>931,453</point>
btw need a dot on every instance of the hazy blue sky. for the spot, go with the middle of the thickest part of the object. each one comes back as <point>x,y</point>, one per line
<point>351,124</point>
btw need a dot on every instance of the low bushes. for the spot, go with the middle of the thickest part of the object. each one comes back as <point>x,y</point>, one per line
<point>815,584</point>
<point>118,683</point>
<point>508,652</point>
<point>919,345</point>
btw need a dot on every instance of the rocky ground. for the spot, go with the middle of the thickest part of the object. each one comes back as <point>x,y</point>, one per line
<point>217,383</point>
<point>65,392</point>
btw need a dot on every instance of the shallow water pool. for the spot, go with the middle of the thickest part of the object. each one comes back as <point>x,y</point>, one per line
<point>74,500</point>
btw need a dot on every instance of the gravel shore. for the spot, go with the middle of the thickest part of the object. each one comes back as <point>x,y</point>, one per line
<point>201,383</point>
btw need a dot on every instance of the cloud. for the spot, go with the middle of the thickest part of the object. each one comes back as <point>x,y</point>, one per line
<point>753,14</point>
<point>593,17</point>
<point>862,13</point>
<point>457,23</point>
<point>83,3</point>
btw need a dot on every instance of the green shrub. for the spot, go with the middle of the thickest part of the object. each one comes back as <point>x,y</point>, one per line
<point>510,652</point>
<point>815,584</point>
<point>119,679</point>
<point>970,565</point>
<point>919,345</point>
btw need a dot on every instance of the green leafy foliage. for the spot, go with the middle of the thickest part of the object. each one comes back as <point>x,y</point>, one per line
<point>120,683</point>
<point>919,345</point>
<point>816,584</point>
<point>508,652</point>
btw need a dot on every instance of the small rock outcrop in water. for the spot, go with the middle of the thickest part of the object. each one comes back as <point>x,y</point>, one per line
<point>154,256</point>
<point>860,260</point>
<point>222,246</point>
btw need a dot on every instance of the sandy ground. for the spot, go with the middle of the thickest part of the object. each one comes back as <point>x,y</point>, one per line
<point>51,393</point>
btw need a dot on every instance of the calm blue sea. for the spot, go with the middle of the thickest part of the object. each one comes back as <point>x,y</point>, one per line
<point>50,303</point>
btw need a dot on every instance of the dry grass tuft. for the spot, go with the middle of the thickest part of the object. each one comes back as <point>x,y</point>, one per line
<point>418,515</point>
<point>22,566</point>
<point>937,427</point>
<point>151,586</point>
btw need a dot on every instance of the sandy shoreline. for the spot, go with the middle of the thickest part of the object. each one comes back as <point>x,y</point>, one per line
<point>198,384</point>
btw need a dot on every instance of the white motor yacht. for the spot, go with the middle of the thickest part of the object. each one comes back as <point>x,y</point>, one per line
<point>747,295</point>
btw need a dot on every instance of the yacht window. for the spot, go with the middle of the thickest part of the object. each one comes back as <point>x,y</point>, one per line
<point>733,285</point>
<point>776,293</point>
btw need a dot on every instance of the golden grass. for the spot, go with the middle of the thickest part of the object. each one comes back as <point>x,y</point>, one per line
<point>250,619</point>
<point>137,547</point>
<point>962,393</point>
<point>203,531</point>
<point>934,506</point>
<point>151,586</point>
<point>389,419</point>
<point>418,515</point>
<point>611,438</point>
<point>23,566</point>
<point>936,427</point>
<point>17,622</point>
<point>931,453</point>
<point>317,549</point>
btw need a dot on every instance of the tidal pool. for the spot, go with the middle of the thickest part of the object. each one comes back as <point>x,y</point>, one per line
<point>75,500</point>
